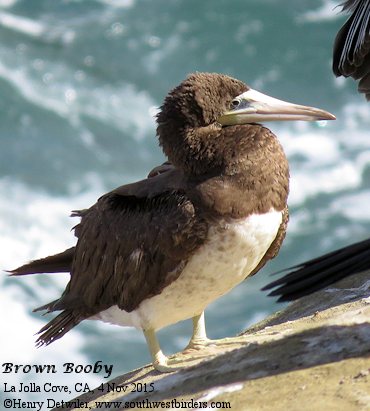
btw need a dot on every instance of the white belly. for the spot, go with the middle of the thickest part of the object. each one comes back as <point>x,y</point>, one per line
<point>229,255</point>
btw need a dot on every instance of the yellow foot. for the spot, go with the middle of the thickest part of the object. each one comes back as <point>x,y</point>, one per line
<point>229,340</point>
<point>198,344</point>
<point>163,366</point>
<point>159,360</point>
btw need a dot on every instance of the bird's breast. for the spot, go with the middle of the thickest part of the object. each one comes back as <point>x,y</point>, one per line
<point>231,252</point>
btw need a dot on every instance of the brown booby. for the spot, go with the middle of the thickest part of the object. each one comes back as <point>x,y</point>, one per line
<point>351,52</point>
<point>351,57</point>
<point>158,251</point>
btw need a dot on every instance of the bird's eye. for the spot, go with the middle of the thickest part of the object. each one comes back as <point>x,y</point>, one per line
<point>234,104</point>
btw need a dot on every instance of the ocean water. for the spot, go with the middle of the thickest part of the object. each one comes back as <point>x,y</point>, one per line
<point>80,83</point>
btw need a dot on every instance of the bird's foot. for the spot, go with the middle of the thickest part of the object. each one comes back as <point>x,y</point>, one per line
<point>160,361</point>
<point>228,341</point>
<point>165,367</point>
<point>197,344</point>
<point>200,344</point>
<point>169,364</point>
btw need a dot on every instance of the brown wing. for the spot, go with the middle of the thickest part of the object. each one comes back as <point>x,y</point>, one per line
<point>163,168</point>
<point>62,262</point>
<point>131,244</point>
<point>58,263</point>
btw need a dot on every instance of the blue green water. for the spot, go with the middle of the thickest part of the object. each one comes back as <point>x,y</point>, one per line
<point>80,83</point>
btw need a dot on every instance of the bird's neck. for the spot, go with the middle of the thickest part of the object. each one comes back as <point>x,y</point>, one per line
<point>196,151</point>
<point>244,163</point>
<point>221,150</point>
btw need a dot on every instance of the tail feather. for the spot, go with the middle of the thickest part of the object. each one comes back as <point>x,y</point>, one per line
<point>58,327</point>
<point>49,307</point>
<point>58,263</point>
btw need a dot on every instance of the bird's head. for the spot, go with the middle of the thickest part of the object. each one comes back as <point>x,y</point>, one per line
<point>200,100</point>
<point>205,102</point>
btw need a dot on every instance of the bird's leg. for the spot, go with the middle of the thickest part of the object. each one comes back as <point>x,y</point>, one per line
<point>160,361</point>
<point>199,338</point>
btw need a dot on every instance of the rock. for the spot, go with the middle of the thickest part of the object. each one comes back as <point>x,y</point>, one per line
<point>313,355</point>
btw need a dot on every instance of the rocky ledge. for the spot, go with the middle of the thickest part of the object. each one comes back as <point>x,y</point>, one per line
<point>313,355</point>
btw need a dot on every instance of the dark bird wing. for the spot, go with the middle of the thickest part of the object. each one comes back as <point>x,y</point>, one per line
<point>62,262</point>
<point>351,53</point>
<point>132,243</point>
<point>315,274</point>
<point>163,168</point>
<point>58,263</point>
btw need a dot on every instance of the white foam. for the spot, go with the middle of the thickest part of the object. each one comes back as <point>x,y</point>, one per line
<point>327,11</point>
<point>22,24</point>
<point>7,3</point>
<point>310,182</point>
<point>125,4</point>
<point>75,96</point>
<point>353,206</point>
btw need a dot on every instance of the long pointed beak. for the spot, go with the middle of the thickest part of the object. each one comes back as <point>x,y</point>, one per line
<point>254,107</point>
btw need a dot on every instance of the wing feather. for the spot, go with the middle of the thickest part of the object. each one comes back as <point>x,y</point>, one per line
<point>351,52</point>
<point>129,248</point>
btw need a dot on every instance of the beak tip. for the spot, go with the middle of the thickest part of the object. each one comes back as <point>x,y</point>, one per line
<point>331,117</point>
<point>326,116</point>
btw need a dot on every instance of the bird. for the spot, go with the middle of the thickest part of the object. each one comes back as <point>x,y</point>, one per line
<point>351,57</point>
<point>351,51</point>
<point>158,251</point>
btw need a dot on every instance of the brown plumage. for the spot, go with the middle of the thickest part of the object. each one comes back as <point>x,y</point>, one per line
<point>174,213</point>
<point>58,263</point>
<point>141,239</point>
